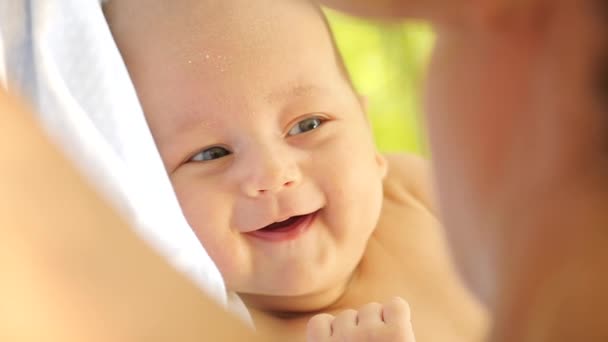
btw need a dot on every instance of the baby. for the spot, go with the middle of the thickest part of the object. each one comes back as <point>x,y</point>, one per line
<point>271,155</point>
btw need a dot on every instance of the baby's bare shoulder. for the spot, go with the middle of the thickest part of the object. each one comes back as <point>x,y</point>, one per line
<point>409,252</point>
<point>408,220</point>
<point>409,178</point>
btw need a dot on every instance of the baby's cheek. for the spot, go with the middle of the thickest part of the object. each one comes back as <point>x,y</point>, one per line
<point>224,260</point>
<point>205,219</point>
<point>355,199</point>
<point>223,249</point>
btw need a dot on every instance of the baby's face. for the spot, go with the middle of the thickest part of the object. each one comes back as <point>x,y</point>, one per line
<point>257,124</point>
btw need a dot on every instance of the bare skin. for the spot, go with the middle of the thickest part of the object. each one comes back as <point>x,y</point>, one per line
<point>389,321</point>
<point>407,257</point>
<point>41,234</point>
<point>550,282</point>
<point>514,83</point>
<point>72,269</point>
<point>372,240</point>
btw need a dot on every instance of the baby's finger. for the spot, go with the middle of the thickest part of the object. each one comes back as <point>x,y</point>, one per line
<point>396,310</point>
<point>397,316</point>
<point>344,324</point>
<point>370,314</point>
<point>318,328</point>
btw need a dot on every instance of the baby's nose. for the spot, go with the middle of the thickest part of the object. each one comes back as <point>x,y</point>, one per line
<point>271,176</point>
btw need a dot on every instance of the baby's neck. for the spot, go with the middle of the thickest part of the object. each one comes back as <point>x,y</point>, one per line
<point>292,307</point>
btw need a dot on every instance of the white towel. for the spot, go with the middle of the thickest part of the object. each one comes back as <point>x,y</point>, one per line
<point>60,55</point>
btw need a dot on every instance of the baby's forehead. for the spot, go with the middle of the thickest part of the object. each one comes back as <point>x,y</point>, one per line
<point>215,114</point>
<point>193,53</point>
<point>242,21</point>
<point>164,33</point>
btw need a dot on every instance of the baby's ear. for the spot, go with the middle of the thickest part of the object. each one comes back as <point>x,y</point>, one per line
<point>363,101</point>
<point>382,164</point>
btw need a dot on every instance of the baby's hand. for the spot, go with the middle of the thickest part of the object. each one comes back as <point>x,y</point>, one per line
<point>388,322</point>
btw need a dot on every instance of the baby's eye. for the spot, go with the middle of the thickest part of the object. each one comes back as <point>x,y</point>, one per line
<point>211,153</point>
<point>305,125</point>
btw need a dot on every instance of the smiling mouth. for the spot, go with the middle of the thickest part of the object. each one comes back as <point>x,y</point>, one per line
<point>285,230</point>
<point>284,225</point>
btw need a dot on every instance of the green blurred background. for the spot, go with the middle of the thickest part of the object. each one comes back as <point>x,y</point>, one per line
<point>387,63</point>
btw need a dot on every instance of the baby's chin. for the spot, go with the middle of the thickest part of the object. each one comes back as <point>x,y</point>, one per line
<point>296,294</point>
<point>285,287</point>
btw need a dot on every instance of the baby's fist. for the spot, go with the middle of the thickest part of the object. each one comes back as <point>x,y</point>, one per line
<point>388,322</point>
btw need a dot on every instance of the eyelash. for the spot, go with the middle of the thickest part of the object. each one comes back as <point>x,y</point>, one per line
<point>196,157</point>
<point>318,122</point>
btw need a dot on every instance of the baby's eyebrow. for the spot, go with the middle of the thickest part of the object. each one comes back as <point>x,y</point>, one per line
<point>192,119</point>
<point>188,121</point>
<point>293,91</point>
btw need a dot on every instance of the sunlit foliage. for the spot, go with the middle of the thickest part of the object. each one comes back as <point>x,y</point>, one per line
<point>387,63</point>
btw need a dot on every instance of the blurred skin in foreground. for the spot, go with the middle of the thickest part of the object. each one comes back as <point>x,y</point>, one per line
<point>518,131</point>
<point>515,106</point>
<point>72,269</point>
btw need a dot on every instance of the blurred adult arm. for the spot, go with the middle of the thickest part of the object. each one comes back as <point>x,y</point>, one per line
<point>440,12</point>
<point>72,270</point>
<point>396,9</point>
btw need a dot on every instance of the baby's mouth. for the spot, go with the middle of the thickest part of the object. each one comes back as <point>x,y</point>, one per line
<point>284,225</point>
<point>288,229</point>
